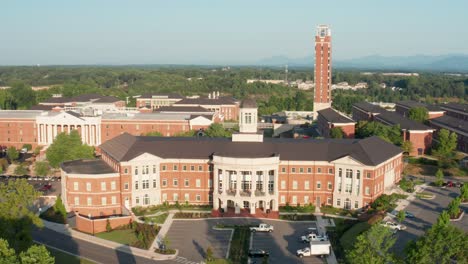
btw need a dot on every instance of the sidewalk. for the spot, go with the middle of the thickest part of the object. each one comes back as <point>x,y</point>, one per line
<point>403,203</point>
<point>163,231</point>
<point>64,229</point>
<point>322,230</point>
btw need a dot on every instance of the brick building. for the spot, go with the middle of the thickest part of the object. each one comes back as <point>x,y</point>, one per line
<point>155,101</point>
<point>322,68</point>
<point>403,108</point>
<point>459,126</point>
<point>418,134</point>
<point>244,174</point>
<point>329,118</point>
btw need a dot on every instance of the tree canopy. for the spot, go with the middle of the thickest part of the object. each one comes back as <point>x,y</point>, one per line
<point>373,246</point>
<point>446,143</point>
<point>68,147</point>
<point>419,114</point>
<point>391,134</point>
<point>336,132</point>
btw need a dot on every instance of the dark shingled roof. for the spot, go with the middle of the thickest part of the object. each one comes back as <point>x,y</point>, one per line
<point>182,109</point>
<point>83,98</point>
<point>368,107</point>
<point>410,104</point>
<point>333,116</point>
<point>207,101</point>
<point>43,107</point>
<point>405,123</point>
<point>249,103</point>
<point>451,122</point>
<point>456,106</point>
<point>370,151</point>
<point>169,96</point>
<point>96,166</point>
<point>108,99</point>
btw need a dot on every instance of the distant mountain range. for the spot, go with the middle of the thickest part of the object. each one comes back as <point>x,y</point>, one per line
<point>451,62</point>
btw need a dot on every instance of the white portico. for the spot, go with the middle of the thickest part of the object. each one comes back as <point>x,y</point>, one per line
<point>50,124</point>
<point>245,183</point>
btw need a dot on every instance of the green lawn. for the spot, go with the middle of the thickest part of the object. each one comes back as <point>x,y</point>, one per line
<point>159,219</point>
<point>240,245</point>
<point>122,236</point>
<point>219,261</point>
<point>62,257</point>
<point>349,237</point>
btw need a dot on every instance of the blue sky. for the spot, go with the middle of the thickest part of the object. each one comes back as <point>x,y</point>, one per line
<point>224,32</point>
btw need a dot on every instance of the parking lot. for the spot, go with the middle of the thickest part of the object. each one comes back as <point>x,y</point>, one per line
<point>39,183</point>
<point>192,237</point>
<point>426,213</point>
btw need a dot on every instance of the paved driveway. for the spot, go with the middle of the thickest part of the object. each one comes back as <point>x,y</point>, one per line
<point>192,237</point>
<point>426,213</point>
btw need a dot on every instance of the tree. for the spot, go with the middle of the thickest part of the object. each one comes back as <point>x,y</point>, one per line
<point>154,134</point>
<point>373,246</point>
<point>444,219</point>
<point>209,254</point>
<point>337,132</point>
<point>37,150</point>
<point>447,142</point>
<point>401,216</point>
<point>36,254</point>
<point>454,207</point>
<point>27,146</point>
<point>439,178</point>
<point>59,208</point>
<point>7,254</point>
<point>21,170</point>
<point>440,244</point>
<point>407,146</point>
<point>108,226</point>
<point>419,114</point>
<point>464,192</point>
<point>217,130</point>
<point>41,168</point>
<point>16,215</point>
<point>23,96</point>
<point>12,153</point>
<point>68,147</point>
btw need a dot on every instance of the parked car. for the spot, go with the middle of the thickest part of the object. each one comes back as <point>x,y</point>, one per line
<point>313,237</point>
<point>449,184</point>
<point>393,225</point>
<point>458,184</point>
<point>254,253</point>
<point>46,187</point>
<point>316,248</point>
<point>262,228</point>
<point>409,215</point>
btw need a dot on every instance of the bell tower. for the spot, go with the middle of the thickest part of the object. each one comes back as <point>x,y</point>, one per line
<point>248,119</point>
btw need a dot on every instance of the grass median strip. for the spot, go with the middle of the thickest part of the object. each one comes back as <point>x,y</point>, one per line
<point>239,250</point>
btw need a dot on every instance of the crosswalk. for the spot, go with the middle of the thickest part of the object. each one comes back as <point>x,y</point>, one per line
<point>183,260</point>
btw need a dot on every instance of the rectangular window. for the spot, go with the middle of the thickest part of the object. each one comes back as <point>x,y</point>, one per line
<point>175,168</point>
<point>348,188</point>
<point>306,199</point>
<point>200,168</point>
<point>283,170</point>
<point>154,168</point>
<point>319,185</point>
<point>113,185</point>
<point>349,173</point>
<point>307,185</point>
<point>88,186</point>
<point>126,186</point>
<point>126,170</point>
<point>89,201</point>
<point>154,183</point>
<point>294,200</point>
<point>210,183</point>
<point>338,202</point>
<point>319,170</point>
<point>164,182</point>
<point>114,199</point>
<point>294,185</point>
<point>136,170</point>
<point>329,200</point>
<point>283,184</point>
<point>367,191</point>
<point>198,183</point>
<point>77,200</point>
<point>309,170</point>
<point>368,175</point>
<point>163,168</point>
<point>293,170</point>
<point>330,171</point>
<point>358,174</point>
<point>176,197</point>
<point>184,168</point>
<point>175,182</point>
<point>145,184</point>
<point>283,199</point>
<point>330,185</point>
<point>301,170</point>
<point>198,197</point>
<point>356,204</point>
<point>136,185</point>
<point>103,200</point>
<point>103,186</point>
<point>186,197</point>
<point>137,200</point>
<point>186,183</point>
<point>192,168</point>
<point>164,197</point>
<point>75,186</point>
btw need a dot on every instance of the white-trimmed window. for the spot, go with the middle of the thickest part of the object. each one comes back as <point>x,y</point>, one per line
<point>338,202</point>
<point>113,185</point>
<point>356,204</point>
<point>367,190</point>
<point>198,197</point>
<point>136,185</point>
<point>163,168</point>
<point>186,197</point>
<point>103,200</point>
<point>283,170</point>
<point>283,199</point>
<point>330,171</point>
<point>293,170</point>
<point>210,183</point>
<point>184,168</point>
<point>88,186</point>
<point>146,199</point>
<point>137,200</point>
<point>164,197</point>
<point>175,182</point>
<point>164,182</point>
<point>103,186</point>
<point>126,186</point>
<point>200,168</point>
<point>306,199</point>
<point>329,200</point>
<point>114,199</point>
<point>294,200</point>
<point>175,197</point>
<point>198,183</point>
<point>77,200</point>
<point>154,183</point>
<point>301,170</point>
<point>145,184</point>
<point>319,185</point>
<point>154,168</point>
<point>309,170</point>
<point>186,182</point>
<point>283,184</point>
<point>89,201</point>
<point>136,170</point>
<point>319,170</point>
<point>75,186</point>
<point>294,185</point>
<point>307,185</point>
<point>329,186</point>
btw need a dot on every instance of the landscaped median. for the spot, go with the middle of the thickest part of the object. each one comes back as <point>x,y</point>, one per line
<point>134,234</point>
<point>239,246</point>
<point>165,207</point>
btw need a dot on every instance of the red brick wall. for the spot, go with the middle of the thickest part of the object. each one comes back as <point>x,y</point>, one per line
<point>348,130</point>
<point>322,70</point>
<point>435,115</point>
<point>113,128</point>
<point>419,141</point>
<point>87,225</point>
<point>17,132</point>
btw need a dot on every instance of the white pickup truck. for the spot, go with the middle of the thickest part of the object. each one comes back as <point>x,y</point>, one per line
<point>393,225</point>
<point>262,228</point>
<point>317,248</point>
<point>313,237</point>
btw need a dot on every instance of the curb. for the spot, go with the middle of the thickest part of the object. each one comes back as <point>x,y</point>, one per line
<point>459,218</point>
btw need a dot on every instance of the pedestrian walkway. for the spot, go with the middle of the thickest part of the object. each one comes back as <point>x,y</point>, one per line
<point>64,229</point>
<point>403,203</point>
<point>163,231</point>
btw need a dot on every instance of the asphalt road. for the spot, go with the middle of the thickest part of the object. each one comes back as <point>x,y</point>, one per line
<point>89,250</point>
<point>426,213</point>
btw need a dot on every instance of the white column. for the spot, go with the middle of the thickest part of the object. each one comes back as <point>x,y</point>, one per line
<point>55,131</point>
<point>98,135</point>
<point>49,134</point>
<point>266,178</point>
<point>38,134</point>
<point>238,182</point>
<point>93,135</point>
<point>42,134</point>
<point>85,134</point>
<point>82,134</point>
